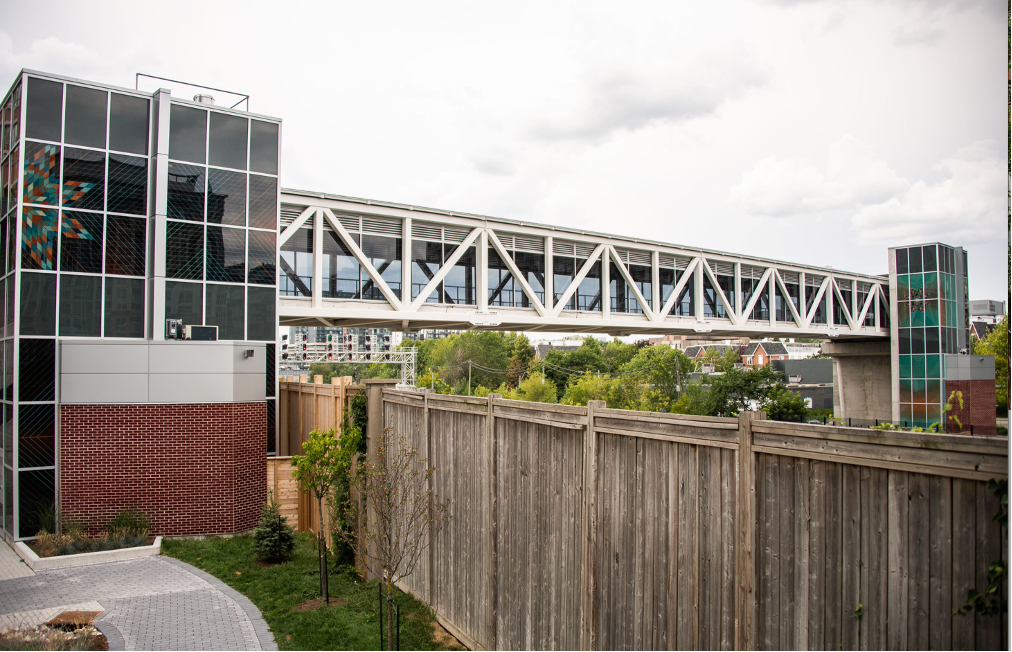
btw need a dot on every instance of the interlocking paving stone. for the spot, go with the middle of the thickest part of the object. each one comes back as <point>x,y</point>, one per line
<point>11,566</point>
<point>154,603</point>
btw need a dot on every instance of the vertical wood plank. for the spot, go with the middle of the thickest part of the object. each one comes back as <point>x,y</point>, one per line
<point>817,558</point>
<point>802,539</point>
<point>919,551</point>
<point>706,545</point>
<point>673,624</point>
<point>746,615</point>
<point>988,628</point>
<point>940,520</point>
<point>851,581</point>
<point>688,620</point>
<point>728,493</point>
<point>787,549</point>
<point>875,557</point>
<point>899,500</point>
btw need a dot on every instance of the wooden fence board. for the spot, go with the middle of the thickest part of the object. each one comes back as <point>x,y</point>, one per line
<point>940,564</point>
<point>785,505</point>
<point>918,552</point>
<point>834,557</point>
<point>728,546</point>
<point>899,504</point>
<point>802,542</point>
<point>875,557</point>
<point>817,558</point>
<point>850,621</point>
<point>988,541</point>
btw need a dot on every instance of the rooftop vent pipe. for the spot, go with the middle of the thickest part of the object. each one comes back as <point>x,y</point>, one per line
<point>203,99</point>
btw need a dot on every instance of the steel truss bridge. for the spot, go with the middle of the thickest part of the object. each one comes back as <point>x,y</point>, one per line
<point>318,352</point>
<point>349,262</point>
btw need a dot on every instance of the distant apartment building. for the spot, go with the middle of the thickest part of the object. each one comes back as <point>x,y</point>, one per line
<point>987,311</point>
<point>757,354</point>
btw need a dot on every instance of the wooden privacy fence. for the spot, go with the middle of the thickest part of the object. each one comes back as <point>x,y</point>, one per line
<point>591,528</point>
<point>303,407</point>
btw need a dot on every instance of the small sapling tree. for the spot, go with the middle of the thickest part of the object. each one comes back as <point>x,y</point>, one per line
<point>401,513</point>
<point>317,471</point>
<point>273,538</point>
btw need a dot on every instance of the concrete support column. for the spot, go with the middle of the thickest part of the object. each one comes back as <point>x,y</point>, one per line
<point>862,380</point>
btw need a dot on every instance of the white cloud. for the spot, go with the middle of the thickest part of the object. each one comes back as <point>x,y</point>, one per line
<point>852,177</point>
<point>968,206</point>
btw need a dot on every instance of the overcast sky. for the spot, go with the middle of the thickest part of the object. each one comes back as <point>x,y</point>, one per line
<point>817,132</point>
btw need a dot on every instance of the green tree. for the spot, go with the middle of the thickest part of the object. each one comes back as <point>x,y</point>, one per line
<point>318,470</point>
<point>784,405</point>
<point>656,372</point>
<point>694,399</point>
<point>535,388</point>
<point>996,343</point>
<point>617,353</point>
<point>591,387</point>
<point>589,357</point>
<point>459,356</point>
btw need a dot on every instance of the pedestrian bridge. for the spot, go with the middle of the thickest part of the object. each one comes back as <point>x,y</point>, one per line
<point>354,262</point>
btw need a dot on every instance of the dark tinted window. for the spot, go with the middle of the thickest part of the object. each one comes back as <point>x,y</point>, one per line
<point>186,192</point>
<point>80,305</point>
<point>228,141</point>
<point>83,179</point>
<point>125,245</point>
<point>184,250</point>
<point>931,343</point>
<point>226,254</point>
<point>915,259</point>
<point>128,124</point>
<point>226,197</point>
<point>184,301</point>
<point>188,134</point>
<point>271,375</point>
<point>36,433</point>
<point>263,147</point>
<point>86,109</point>
<point>36,498</point>
<point>124,307</point>
<point>930,265</point>
<point>901,261</point>
<point>271,428</point>
<point>262,256</point>
<point>260,315</point>
<point>45,109</point>
<point>81,242</point>
<point>263,202</point>
<point>226,311</point>
<point>37,366</point>
<point>128,184</point>
<point>38,304</point>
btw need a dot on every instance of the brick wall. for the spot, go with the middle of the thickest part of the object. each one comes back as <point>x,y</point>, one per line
<point>979,405</point>
<point>192,468</point>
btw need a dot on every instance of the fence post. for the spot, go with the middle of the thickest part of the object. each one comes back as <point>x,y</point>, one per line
<point>587,566</point>
<point>374,426</point>
<point>431,551</point>
<point>493,553</point>
<point>745,613</point>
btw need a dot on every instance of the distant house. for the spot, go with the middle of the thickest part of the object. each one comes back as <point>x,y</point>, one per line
<point>541,349</point>
<point>980,329</point>
<point>699,351</point>
<point>757,354</point>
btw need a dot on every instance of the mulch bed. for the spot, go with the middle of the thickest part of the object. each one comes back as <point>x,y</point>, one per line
<point>316,603</point>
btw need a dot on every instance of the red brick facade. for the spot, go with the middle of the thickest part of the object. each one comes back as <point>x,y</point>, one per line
<point>191,468</point>
<point>979,406</point>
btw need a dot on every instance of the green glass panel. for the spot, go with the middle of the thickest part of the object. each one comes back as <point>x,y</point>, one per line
<point>932,366</point>
<point>916,313</point>
<point>918,389</point>
<point>906,389</point>
<point>904,313</point>
<point>904,366</point>
<point>931,313</point>
<point>934,392</point>
<point>916,286</point>
<point>903,287</point>
<point>931,285</point>
<point>917,366</point>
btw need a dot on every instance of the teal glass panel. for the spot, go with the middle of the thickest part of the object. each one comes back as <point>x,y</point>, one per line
<point>917,314</point>
<point>933,387</point>
<point>906,390</point>
<point>903,308</point>
<point>931,285</point>
<point>934,415</point>
<point>904,366</point>
<point>932,366</point>
<point>917,366</point>
<point>916,286</point>
<point>931,313</point>
<point>919,391</point>
<point>903,287</point>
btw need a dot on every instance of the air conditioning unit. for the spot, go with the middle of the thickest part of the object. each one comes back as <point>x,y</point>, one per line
<point>201,333</point>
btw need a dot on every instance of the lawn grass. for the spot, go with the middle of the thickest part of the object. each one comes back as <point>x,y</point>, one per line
<point>350,623</point>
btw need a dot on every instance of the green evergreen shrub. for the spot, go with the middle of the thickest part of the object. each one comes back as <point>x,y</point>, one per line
<point>273,538</point>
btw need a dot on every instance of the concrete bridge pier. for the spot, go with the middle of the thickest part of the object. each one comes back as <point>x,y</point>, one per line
<point>862,379</point>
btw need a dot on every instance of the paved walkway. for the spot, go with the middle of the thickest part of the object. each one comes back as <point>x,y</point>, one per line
<point>153,603</point>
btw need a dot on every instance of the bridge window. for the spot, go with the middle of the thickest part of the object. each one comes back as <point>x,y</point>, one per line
<point>622,297</point>
<point>384,254</point>
<point>460,284</point>
<point>750,277</point>
<point>296,274</point>
<point>812,284</point>
<point>504,290</point>
<point>426,259</point>
<point>341,270</point>
<point>712,305</point>
<point>847,294</point>
<point>588,294</point>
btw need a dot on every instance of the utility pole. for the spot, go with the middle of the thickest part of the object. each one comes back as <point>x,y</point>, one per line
<point>469,378</point>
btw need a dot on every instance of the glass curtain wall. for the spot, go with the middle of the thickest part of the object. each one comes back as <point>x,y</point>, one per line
<point>750,277</point>
<point>928,318</point>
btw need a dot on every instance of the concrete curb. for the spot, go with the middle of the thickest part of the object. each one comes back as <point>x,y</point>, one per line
<point>112,634</point>
<point>260,627</point>
<point>37,563</point>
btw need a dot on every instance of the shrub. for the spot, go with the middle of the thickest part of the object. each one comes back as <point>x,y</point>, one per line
<point>273,538</point>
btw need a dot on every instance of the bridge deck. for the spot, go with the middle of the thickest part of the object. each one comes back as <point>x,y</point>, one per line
<point>470,271</point>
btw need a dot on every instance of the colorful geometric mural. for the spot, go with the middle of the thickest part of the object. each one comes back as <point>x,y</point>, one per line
<point>42,173</point>
<point>39,237</point>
